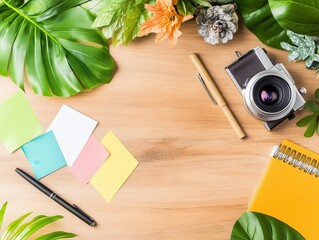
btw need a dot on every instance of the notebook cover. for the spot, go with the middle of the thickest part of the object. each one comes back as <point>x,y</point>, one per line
<point>290,195</point>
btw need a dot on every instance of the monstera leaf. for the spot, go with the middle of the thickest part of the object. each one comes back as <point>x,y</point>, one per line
<point>299,16</point>
<point>49,38</point>
<point>259,19</point>
<point>257,226</point>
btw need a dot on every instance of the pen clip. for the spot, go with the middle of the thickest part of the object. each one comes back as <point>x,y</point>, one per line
<point>80,210</point>
<point>206,89</point>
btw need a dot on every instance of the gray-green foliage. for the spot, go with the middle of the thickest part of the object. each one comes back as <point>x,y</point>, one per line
<point>258,226</point>
<point>312,120</point>
<point>306,49</point>
<point>48,39</point>
<point>21,230</point>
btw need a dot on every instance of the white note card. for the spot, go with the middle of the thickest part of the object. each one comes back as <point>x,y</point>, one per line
<point>72,130</point>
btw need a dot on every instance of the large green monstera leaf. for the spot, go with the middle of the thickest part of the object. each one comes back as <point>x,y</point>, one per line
<point>259,19</point>
<point>258,226</point>
<point>49,38</point>
<point>299,16</point>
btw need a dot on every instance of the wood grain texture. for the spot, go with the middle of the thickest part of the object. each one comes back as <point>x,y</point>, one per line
<point>195,176</point>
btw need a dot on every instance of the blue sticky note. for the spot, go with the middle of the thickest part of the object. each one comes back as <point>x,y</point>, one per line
<point>44,155</point>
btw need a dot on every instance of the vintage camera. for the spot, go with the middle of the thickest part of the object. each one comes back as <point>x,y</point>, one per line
<point>268,90</point>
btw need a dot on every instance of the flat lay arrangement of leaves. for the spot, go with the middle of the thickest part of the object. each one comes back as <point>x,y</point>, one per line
<point>123,21</point>
<point>20,230</point>
<point>256,226</point>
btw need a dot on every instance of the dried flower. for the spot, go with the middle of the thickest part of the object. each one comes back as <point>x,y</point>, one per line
<point>217,24</point>
<point>166,22</point>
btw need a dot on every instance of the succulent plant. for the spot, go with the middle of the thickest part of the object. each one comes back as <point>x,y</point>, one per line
<point>306,48</point>
<point>217,24</point>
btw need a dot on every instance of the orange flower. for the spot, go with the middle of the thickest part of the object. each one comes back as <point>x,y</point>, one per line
<point>165,22</point>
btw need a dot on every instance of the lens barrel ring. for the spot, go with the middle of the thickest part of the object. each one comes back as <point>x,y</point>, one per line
<point>269,112</point>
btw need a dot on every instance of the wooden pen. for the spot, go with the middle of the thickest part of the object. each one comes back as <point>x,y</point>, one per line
<point>213,90</point>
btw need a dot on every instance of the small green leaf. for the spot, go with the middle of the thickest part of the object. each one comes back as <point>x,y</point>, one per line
<point>305,121</point>
<point>312,106</point>
<point>206,3</point>
<point>185,7</point>
<point>311,128</point>
<point>257,226</point>
<point>2,212</point>
<point>56,235</point>
<point>317,94</point>
<point>13,226</point>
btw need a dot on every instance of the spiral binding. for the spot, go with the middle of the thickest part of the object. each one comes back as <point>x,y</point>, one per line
<point>296,159</point>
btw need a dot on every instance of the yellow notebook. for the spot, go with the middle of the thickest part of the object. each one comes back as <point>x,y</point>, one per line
<point>289,189</point>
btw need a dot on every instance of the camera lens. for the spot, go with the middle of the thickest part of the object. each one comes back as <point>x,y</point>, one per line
<point>269,94</point>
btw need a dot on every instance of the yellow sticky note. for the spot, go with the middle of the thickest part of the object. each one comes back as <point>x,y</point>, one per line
<point>115,171</point>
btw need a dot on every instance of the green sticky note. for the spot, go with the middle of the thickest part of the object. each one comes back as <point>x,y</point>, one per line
<point>18,123</point>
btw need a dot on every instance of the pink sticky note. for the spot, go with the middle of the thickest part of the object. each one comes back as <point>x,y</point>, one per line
<point>91,158</point>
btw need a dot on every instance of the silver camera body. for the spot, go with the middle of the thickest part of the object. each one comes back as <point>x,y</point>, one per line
<point>268,90</point>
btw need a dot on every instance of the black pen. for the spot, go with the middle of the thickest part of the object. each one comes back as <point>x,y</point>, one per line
<point>71,208</point>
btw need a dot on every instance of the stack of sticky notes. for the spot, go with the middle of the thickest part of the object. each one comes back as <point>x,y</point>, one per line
<point>69,140</point>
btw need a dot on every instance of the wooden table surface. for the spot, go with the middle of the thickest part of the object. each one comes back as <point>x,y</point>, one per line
<point>195,176</point>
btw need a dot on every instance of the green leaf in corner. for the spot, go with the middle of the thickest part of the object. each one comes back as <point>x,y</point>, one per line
<point>2,212</point>
<point>317,94</point>
<point>119,19</point>
<point>256,226</point>
<point>259,19</point>
<point>13,226</point>
<point>56,235</point>
<point>48,38</point>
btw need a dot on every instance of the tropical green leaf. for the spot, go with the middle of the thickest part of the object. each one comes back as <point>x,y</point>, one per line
<point>257,226</point>
<point>2,212</point>
<point>299,16</point>
<point>56,235</point>
<point>259,19</point>
<point>304,121</point>
<point>13,226</point>
<point>119,19</point>
<point>36,225</point>
<point>49,38</point>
